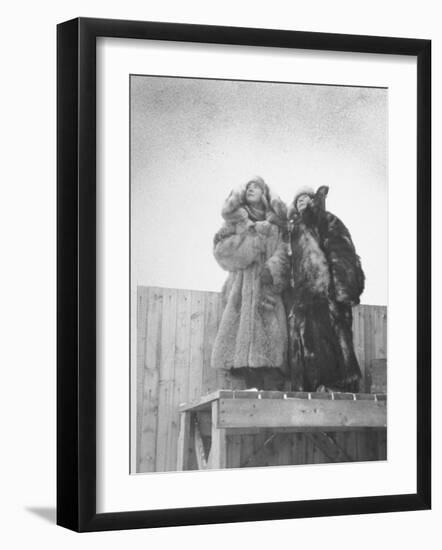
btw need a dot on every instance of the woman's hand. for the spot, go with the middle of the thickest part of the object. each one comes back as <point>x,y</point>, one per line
<point>266,276</point>
<point>263,228</point>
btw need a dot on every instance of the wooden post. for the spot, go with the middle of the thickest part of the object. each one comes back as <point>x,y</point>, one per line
<point>183,451</point>
<point>198,445</point>
<point>218,454</point>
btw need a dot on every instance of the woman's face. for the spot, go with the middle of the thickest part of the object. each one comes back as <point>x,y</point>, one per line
<point>302,202</point>
<point>253,193</point>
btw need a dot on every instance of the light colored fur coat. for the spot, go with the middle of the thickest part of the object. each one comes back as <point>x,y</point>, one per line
<point>253,327</point>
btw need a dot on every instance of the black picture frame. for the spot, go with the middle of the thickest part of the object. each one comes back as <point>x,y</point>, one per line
<point>77,288</point>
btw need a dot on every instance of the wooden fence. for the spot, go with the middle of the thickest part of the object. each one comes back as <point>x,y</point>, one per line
<point>175,334</point>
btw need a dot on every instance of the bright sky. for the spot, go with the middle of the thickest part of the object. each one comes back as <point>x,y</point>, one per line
<point>193,140</point>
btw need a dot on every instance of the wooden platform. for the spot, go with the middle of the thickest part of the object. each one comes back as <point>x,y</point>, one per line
<point>229,412</point>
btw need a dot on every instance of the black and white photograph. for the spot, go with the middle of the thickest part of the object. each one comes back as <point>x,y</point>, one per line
<point>258,273</point>
<point>220,226</point>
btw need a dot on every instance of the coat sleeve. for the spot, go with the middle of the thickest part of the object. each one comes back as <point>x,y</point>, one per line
<point>279,266</point>
<point>345,265</point>
<point>238,251</point>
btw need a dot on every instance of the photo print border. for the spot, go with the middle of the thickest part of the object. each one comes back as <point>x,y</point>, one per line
<point>77,286</point>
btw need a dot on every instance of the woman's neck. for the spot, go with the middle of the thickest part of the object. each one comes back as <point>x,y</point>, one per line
<point>256,212</point>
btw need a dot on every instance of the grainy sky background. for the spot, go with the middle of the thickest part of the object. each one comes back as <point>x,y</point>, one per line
<point>193,140</point>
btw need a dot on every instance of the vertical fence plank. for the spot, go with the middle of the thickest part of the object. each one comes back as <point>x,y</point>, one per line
<point>259,446</point>
<point>380,334</point>
<point>352,445</point>
<point>341,440</point>
<point>247,449</point>
<point>165,459</point>
<point>150,403</point>
<point>359,342</point>
<point>368,340</point>
<point>382,445</point>
<point>142,305</point>
<point>283,449</point>
<point>384,332</point>
<point>298,448</point>
<point>375,335</point>
<point>234,451</point>
<point>211,323</point>
<point>361,445</point>
<point>196,345</point>
<point>309,451</point>
<point>223,376</point>
<point>181,350</point>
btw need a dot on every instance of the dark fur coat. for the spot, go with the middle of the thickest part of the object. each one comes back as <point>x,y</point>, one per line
<point>253,327</point>
<point>327,280</point>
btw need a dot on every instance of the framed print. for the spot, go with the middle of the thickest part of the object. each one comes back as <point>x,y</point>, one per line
<point>243,274</point>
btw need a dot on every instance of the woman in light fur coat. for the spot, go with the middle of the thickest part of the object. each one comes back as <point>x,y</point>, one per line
<point>252,246</point>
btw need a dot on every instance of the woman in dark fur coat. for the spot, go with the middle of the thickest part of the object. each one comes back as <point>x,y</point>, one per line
<point>252,246</point>
<point>327,281</point>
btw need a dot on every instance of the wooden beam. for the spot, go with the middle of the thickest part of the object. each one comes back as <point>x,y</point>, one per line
<point>218,455</point>
<point>183,451</point>
<point>325,443</point>
<point>295,413</point>
<point>257,457</point>
<point>204,419</point>
<point>204,403</point>
<point>286,430</point>
<point>200,453</point>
